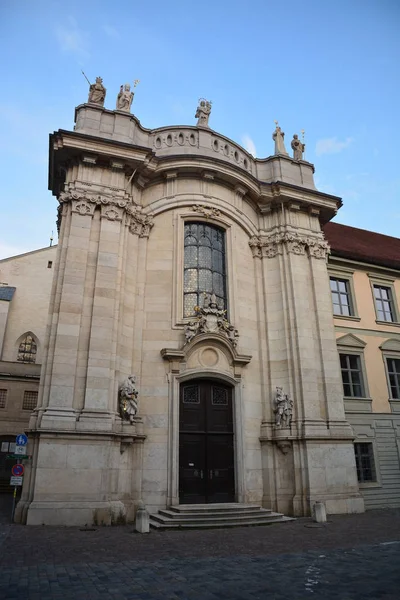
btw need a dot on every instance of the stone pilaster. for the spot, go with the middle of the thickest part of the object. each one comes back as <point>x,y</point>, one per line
<point>314,456</point>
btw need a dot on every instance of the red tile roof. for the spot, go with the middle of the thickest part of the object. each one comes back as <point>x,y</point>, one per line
<point>362,245</point>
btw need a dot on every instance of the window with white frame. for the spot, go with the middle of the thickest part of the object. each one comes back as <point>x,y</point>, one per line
<point>204,266</point>
<point>393,368</point>
<point>365,463</point>
<point>384,303</point>
<point>352,377</point>
<point>341,297</point>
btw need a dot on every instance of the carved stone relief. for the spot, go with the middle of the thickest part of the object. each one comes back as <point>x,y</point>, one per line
<point>270,245</point>
<point>206,211</point>
<point>113,207</point>
<point>211,319</point>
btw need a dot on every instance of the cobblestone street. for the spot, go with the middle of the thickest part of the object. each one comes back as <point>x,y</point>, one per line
<point>352,557</point>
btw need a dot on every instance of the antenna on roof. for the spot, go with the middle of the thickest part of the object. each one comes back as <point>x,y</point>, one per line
<point>51,238</point>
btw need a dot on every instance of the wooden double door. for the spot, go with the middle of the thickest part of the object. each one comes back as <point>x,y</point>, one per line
<point>206,454</point>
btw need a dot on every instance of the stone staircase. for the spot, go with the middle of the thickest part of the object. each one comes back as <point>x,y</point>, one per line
<point>213,516</point>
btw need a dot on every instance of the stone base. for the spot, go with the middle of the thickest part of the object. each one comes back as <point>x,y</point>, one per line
<point>79,514</point>
<point>337,505</point>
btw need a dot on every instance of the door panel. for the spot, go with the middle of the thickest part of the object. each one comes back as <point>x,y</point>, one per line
<point>206,456</point>
<point>192,469</point>
<point>220,471</point>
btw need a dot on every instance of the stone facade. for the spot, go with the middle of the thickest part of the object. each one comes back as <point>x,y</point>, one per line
<point>116,307</point>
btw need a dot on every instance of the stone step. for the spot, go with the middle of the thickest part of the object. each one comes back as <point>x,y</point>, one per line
<point>224,524</point>
<point>172,514</point>
<point>203,516</point>
<point>219,518</point>
<point>206,508</point>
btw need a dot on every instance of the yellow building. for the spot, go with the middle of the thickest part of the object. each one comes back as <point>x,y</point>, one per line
<point>364,269</point>
<point>25,284</point>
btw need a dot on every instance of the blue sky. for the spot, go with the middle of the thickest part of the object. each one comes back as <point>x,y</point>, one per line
<point>330,67</point>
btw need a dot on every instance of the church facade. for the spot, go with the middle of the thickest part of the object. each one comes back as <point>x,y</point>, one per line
<point>190,354</point>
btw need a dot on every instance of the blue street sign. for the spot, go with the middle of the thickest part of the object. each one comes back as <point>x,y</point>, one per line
<point>21,440</point>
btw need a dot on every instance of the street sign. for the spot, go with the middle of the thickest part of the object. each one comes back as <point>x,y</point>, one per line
<point>16,481</point>
<point>18,470</point>
<point>21,440</point>
<point>20,450</point>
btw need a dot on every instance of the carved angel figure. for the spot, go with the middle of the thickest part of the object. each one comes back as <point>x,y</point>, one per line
<point>128,404</point>
<point>190,331</point>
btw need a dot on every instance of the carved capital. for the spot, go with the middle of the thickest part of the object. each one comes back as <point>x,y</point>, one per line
<point>112,213</point>
<point>139,223</point>
<point>114,203</point>
<point>82,207</point>
<point>272,244</point>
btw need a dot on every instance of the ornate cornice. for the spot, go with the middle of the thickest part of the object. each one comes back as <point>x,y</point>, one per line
<point>112,207</point>
<point>270,245</point>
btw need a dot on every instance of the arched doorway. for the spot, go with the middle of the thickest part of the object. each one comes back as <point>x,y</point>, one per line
<point>206,449</point>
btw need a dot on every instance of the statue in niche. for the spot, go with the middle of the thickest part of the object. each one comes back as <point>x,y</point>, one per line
<point>125,98</point>
<point>298,147</point>
<point>128,403</point>
<point>97,92</point>
<point>203,112</point>
<point>278,137</point>
<point>283,408</point>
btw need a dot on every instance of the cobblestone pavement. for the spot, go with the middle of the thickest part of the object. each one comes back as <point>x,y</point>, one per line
<point>353,557</point>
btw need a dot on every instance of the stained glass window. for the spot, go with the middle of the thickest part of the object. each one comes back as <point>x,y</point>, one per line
<point>27,350</point>
<point>204,266</point>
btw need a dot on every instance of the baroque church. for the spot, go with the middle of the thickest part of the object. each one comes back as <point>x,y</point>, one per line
<point>200,341</point>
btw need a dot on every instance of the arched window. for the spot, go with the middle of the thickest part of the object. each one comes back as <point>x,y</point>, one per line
<point>27,349</point>
<point>204,266</point>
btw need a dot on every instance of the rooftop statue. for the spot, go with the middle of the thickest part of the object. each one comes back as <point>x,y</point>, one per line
<point>97,92</point>
<point>298,147</point>
<point>125,98</point>
<point>203,112</point>
<point>278,137</point>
